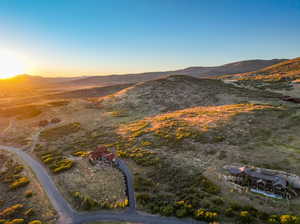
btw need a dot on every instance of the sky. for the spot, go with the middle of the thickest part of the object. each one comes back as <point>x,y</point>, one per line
<point>98,37</point>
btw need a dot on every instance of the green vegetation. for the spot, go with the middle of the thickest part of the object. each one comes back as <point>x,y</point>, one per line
<point>56,162</point>
<point>20,182</point>
<point>87,203</point>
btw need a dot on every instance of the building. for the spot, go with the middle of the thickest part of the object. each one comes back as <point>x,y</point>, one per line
<point>102,154</point>
<point>263,180</point>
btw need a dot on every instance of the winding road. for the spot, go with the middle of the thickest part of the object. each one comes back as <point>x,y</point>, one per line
<point>67,215</point>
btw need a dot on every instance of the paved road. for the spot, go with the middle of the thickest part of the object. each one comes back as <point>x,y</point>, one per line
<point>129,184</point>
<point>67,215</point>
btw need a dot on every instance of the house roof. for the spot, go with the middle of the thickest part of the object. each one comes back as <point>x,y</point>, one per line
<point>259,174</point>
<point>102,152</point>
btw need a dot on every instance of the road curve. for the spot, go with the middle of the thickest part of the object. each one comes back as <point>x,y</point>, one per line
<point>67,215</point>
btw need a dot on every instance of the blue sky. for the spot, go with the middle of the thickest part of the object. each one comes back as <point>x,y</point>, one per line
<point>77,37</point>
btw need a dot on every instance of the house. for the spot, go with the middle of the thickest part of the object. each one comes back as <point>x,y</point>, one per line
<point>262,179</point>
<point>102,154</point>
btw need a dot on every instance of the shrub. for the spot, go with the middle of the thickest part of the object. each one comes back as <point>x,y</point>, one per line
<point>15,221</point>
<point>62,165</point>
<point>204,215</point>
<point>28,212</point>
<point>21,182</point>
<point>167,210</point>
<point>181,212</point>
<point>289,219</point>
<point>209,186</point>
<point>35,222</point>
<point>229,212</point>
<point>81,153</point>
<point>28,194</point>
<point>146,143</point>
<point>245,217</point>
<point>11,210</point>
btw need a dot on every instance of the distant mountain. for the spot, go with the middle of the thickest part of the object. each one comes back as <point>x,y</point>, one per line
<point>26,84</point>
<point>21,84</point>
<point>198,72</point>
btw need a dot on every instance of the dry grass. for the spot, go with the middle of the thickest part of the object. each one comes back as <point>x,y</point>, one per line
<point>32,200</point>
<point>100,184</point>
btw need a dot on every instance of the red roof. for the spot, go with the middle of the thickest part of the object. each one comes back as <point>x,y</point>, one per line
<point>102,152</point>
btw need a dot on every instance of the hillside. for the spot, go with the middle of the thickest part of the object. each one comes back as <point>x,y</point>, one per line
<point>177,92</point>
<point>284,71</point>
<point>176,134</point>
<point>279,77</point>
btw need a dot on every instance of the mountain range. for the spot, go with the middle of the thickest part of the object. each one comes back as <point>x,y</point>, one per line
<point>28,81</point>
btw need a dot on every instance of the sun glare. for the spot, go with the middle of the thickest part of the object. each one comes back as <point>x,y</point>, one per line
<point>11,65</point>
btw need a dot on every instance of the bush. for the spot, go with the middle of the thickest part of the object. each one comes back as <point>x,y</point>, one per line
<point>15,221</point>
<point>28,194</point>
<point>62,165</point>
<point>11,210</point>
<point>208,186</point>
<point>81,153</point>
<point>202,214</point>
<point>167,210</point>
<point>289,219</point>
<point>245,217</point>
<point>29,212</point>
<point>229,212</point>
<point>35,222</point>
<point>181,212</point>
<point>21,182</point>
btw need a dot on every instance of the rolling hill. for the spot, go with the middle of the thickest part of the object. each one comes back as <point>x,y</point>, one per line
<point>20,85</point>
<point>177,92</point>
<point>198,72</point>
<point>283,76</point>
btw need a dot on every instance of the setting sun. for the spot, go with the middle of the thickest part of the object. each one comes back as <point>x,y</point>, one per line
<point>11,65</point>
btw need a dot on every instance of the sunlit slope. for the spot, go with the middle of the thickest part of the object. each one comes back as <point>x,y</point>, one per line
<point>287,70</point>
<point>177,92</point>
